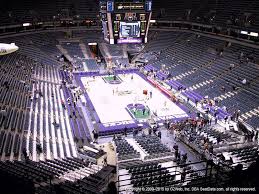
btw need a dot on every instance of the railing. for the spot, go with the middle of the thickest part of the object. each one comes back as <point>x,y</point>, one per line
<point>208,174</point>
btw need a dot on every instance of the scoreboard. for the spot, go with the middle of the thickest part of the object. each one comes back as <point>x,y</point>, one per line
<point>125,21</point>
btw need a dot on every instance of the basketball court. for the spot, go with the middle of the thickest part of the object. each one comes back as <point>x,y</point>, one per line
<point>111,100</point>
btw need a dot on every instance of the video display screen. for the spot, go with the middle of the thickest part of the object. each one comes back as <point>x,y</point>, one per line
<point>129,29</point>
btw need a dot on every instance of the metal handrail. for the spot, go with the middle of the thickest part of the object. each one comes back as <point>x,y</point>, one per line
<point>205,178</point>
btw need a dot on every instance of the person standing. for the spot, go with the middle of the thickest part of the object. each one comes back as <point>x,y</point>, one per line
<point>210,121</point>
<point>95,134</point>
<point>216,119</point>
<point>149,131</point>
<point>238,115</point>
<point>74,113</point>
<point>196,102</point>
<point>25,154</point>
<point>179,156</point>
<point>168,124</point>
<point>218,139</point>
<point>148,112</point>
<point>184,158</point>
<point>183,175</point>
<point>256,136</point>
<point>176,154</point>
<point>125,131</point>
<point>159,134</point>
<point>134,110</point>
<point>211,149</point>
<point>252,135</point>
<point>105,161</point>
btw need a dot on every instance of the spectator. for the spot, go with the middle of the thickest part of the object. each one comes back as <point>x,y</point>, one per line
<point>256,136</point>
<point>226,119</point>
<point>252,135</point>
<point>216,119</point>
<point>159,134</point>
<point>183,175</point>
<point>238,115</point>
<point>74,113</point>
<point>218,139</point>
<point>211,149</point>
<point>63,104</point>
<point>105,161</point>
<point>168,124</point>
<point>24,152</point>
<point>39,148</point>
<point>210,121</point>
<point>175,146</point>
<point>95,134</point>
<point>184,158</point>
<point>125,131</point>
<point>149,131</point>
<point>179,156</point>
<point>206,145</point>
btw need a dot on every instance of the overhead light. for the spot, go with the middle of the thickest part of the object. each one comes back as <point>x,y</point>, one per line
<point>26,24</point>
<point>92,43</point>
<point>255,34</point>
<point>244,32</point>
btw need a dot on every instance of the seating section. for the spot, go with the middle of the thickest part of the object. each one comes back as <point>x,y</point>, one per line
<point>115,54</point>
<point>50,122</point>
<point>195,64</point>
<point>71,175</point>
<point>34,102</point>
<point>91,65</point>
<point>124,150</point>
<point>42,171</point>
<point>150,175</point>
<point>73,49</point>
<point>254,120</point>
<point>215,137</point>
<point>15,87</point>
<point>245,156</point>
<point>40,47</point>
<point>80,56</point>
<point>93,183</point>
<point>155,175</point>
<point>153,146</point>
<point>77,120</point>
